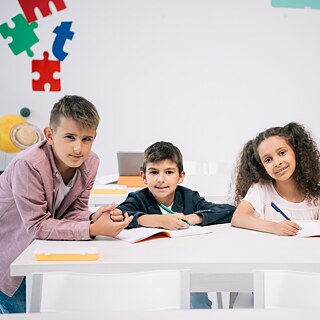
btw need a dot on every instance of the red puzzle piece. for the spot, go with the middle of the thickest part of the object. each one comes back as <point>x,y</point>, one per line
<point>46,68</point>
<point>28,7</point>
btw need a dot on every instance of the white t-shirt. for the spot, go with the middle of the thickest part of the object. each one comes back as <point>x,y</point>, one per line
<point>64,190</point>
<point>164,211</point>
<point>260,196</point>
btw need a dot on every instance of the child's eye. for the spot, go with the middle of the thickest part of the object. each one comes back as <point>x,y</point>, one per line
<point>87,139</point>
<point>70,137</point>
<point>170,172</point>
<point>153,172</point>
<point>267,160</point>
<point>282,152</point>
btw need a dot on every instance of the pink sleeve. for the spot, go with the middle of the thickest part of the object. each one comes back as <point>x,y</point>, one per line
<point>32,204</point>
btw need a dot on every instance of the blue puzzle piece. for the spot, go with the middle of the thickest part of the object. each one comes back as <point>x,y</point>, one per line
<point>62,34</point>
<point>23,35</point>
<point>314,4</point>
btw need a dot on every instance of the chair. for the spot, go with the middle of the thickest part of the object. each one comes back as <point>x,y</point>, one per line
<point>87,292</point>
<point>286,289</point>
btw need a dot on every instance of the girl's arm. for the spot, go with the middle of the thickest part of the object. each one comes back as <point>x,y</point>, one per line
<point>243,218</point>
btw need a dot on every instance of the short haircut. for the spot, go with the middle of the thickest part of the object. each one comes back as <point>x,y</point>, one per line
<point>76,108</point>
<point>160,151</point>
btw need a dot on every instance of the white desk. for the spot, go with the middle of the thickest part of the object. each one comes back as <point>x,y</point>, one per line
<point>239,314</point>
<point>223,260</point>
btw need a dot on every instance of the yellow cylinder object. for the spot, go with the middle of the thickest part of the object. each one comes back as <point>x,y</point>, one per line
<point>6,123</point>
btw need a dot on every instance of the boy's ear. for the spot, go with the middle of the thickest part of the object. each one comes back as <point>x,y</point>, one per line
<point>48,134</point>
<point>181,177</point>
<point>143,176</point>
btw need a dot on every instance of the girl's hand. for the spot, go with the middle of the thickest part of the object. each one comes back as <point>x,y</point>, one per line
<point>286,228</point>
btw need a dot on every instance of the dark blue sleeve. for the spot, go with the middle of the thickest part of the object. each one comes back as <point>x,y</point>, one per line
<point>212,213</point>
<point>137,204</point>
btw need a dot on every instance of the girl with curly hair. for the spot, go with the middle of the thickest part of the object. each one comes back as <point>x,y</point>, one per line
<point>281,165</point>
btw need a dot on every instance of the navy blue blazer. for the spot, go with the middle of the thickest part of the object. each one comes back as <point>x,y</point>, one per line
<point>185,201</point>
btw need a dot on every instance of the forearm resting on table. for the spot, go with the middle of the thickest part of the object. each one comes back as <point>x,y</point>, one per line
<point>194,218</point>
<point>247,221</point>
<point>153,221</point>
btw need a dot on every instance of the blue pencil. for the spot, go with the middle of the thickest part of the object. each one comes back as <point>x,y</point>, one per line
<point>273,205</point>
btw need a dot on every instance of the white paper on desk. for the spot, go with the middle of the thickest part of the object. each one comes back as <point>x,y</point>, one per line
<point>310,228</point>
<point>110,178</point>
<point>141,233</point>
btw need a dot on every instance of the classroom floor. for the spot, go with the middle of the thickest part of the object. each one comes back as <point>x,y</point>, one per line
<point>244,300</point>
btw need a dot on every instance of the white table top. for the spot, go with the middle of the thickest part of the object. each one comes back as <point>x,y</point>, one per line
<point>223,260</point>
<point>235,314</point>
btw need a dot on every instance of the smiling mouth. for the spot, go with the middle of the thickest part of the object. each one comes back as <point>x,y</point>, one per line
<point>281,170</point>
<point>161,188</point>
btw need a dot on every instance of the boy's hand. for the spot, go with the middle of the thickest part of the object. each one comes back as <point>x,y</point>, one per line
<point>173,221</point>
<point>109,208</point>
<point>116,215</point>
<point>286,228</point>
<point>105,226</point>
<point>193,218</point>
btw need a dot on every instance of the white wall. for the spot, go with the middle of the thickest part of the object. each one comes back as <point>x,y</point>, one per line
<point>206,75</point>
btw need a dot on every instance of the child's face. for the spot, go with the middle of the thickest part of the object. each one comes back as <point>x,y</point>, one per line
<point>162,179</point>
<point>71,144</point>
<point>277,157</point>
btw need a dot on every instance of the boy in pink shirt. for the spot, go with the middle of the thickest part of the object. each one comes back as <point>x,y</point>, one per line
<point>45,192</point>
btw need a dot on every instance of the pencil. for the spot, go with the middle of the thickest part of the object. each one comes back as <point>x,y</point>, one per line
<point>273,205</point>
<point>170,211</point>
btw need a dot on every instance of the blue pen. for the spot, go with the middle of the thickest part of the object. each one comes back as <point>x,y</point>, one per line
<point>170,211</point>
<point>279,210</point>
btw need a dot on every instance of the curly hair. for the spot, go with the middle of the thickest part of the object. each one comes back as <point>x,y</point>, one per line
<point>250,169</point>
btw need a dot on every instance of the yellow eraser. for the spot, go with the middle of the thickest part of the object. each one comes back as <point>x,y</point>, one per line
<point>87,254</point>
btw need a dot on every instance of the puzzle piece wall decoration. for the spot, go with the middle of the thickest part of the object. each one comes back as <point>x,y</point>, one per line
<point>23,35</point>
<point>62,34</point>
<point>311,4</point>
<point>46,68</point>
<point>28,7</point>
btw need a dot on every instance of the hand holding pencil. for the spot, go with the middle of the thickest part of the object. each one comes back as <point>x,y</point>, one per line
<point>285,227</point>
<point>172,212</point>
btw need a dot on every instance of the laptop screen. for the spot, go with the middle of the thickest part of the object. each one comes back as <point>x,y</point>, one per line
<point>129,163</point>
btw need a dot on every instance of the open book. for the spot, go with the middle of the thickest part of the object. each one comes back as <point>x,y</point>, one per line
<point>142,233</point>
<point>310,228</point>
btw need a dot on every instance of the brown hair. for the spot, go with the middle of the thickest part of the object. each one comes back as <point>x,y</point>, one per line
<point>162,151</point>
<point>76,108</point>
<point>307,173</point>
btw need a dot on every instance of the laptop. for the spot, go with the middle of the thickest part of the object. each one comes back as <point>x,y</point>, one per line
<point>129,165</point>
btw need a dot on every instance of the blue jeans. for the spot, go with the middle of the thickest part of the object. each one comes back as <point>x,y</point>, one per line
<point>16,303</point>
<point>200,300</point>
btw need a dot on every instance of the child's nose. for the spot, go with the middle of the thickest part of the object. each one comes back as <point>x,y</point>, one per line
<point>77,147</point>
<point>278,162</point>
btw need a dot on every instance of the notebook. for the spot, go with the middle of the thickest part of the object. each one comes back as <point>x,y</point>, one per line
<point>142,233</point>
<point>310,228</point>
<point>129,165</point>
